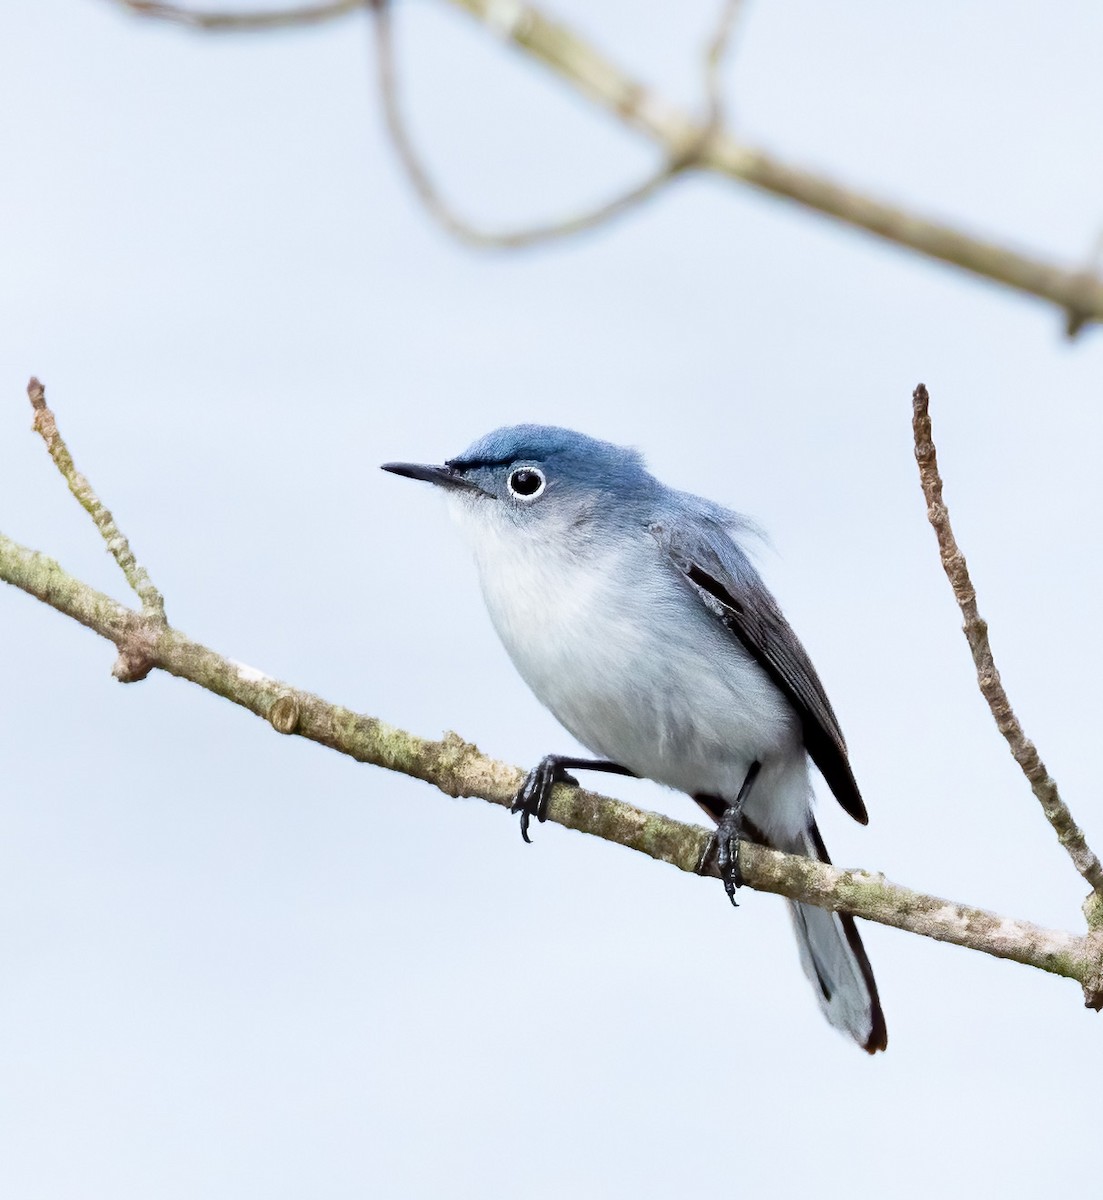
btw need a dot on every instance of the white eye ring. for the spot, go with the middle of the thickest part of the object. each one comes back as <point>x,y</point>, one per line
<point>520,482</point>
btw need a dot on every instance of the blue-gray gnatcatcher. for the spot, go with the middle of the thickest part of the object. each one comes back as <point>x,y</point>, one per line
<point>633,613</point>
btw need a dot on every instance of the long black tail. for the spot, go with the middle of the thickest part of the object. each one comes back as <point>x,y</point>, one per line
<point>831,951</point>
<point>835,960</point>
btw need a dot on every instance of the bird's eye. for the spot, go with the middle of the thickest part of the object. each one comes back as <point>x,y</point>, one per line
<point>526,482</point>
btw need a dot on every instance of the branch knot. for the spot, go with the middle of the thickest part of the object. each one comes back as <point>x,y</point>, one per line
<point>137,650</point>
<point>284,714</point>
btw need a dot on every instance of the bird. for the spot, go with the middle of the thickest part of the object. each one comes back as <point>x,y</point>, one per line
<point>634,613</point>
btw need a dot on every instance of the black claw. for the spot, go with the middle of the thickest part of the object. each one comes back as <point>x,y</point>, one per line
<point>534,794</point>
<point>729,832</point>
<point>728,835</point>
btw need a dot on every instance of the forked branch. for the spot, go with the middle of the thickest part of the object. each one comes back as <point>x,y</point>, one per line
<point>457,768</point>
<point>676,159</point>
<point>682,139</point>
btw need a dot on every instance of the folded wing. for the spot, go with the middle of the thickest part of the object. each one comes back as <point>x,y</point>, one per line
<point>729,586</point>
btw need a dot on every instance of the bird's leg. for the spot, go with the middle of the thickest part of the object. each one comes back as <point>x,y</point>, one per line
<point>729,831</point>
<point>534,794</point>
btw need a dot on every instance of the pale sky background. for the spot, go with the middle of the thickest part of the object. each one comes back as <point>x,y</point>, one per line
<point>238,966</point>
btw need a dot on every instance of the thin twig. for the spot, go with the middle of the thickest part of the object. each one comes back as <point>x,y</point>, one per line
<point>244,21</point>
<point>988,677</point>
<point>153,604</point>
<point>715,53</point>
<point>459,227</point>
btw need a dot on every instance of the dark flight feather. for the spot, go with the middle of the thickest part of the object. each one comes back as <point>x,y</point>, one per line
<point>722,575</point>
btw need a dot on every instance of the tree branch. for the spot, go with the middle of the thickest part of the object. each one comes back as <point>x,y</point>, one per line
<point>153,603</point>
<point>445,215</point>
<point>244,21</point>
<point>457,768</point>
<point>975,628</point>
<point>1077,292</point>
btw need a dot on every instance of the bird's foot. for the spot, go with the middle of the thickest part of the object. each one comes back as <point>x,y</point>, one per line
<point>728,835</point>
<point>729,832</point>
<point>534,794</point>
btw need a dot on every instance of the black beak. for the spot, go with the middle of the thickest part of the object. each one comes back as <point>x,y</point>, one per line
<point>445,476</point>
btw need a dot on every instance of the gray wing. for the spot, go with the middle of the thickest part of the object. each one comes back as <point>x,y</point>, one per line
<point>729,586</point>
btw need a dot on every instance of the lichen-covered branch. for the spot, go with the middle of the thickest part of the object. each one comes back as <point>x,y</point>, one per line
<point>457,768</point>
<point>975,628</point>
<point>153,603</point>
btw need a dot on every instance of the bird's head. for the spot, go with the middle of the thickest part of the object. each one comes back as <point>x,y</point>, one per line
<point>530,481</point>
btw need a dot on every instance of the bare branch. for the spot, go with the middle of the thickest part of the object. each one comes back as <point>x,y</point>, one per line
<point>715,53</point>
<point>443,213</point>
<point>680,158</point>
<point>153,604</point>
<point>988,677</point>
<point>1079,293</point>
<point>244,21</point>
<point>684,141</point>
<point>457,768</point>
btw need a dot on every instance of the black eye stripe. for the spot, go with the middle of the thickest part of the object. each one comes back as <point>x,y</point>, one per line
<point>472,464</point>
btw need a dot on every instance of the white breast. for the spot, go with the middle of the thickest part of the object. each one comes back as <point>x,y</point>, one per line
<point>619,648</point>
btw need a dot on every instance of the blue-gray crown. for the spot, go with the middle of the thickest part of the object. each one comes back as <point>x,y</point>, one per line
<point>579,454</point>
